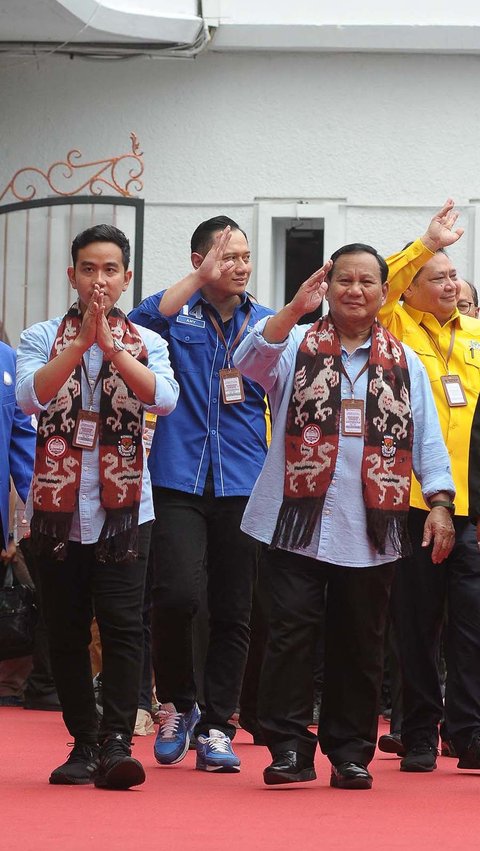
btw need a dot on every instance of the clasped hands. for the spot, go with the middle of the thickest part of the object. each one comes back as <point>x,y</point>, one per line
<point>95,327</point>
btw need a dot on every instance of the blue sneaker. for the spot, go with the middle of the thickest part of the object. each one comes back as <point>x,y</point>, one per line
<point>215,753</point>
<point>174,732</point>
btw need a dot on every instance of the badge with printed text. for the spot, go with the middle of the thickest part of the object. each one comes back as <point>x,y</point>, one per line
<point>85,435</point>
<point>232,386</point>
<point>352,417</point>
<point>454,392</point>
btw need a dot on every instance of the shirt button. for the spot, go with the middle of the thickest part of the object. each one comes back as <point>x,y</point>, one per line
<point>187,337</point>
<point>84,497</point>
<point>213,431</point>
<point>327,511</point>
<point>214,401</point>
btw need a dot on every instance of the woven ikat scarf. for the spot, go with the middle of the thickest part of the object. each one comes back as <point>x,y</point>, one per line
<point>312,435</point>
<point>58,463</point>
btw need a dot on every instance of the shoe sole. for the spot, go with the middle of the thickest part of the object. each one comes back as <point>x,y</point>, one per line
<point>62,780</point>
<point>278,779</point>
<point>122,776</point>
<point>218,769</point>
<point>354,783</point>
<point>468,767</point>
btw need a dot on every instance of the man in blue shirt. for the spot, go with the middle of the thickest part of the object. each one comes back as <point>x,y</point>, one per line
<point>204,462</point>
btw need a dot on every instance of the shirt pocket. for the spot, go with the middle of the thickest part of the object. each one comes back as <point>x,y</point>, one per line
<point>472,371</point>
<point>188,348</point>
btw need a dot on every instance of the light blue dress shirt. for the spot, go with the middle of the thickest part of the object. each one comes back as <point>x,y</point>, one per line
<point>340,537</point>
<point>34,352</point>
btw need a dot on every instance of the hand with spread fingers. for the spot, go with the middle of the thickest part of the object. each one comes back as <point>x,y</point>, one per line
<point>439,529</point>
<point>440,233</point>
<point>213,266</point>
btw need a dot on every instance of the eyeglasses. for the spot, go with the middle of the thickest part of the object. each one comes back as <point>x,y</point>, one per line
<point>464,306</point>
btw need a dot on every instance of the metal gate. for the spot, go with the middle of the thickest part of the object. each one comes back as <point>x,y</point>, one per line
<point>36,233</point>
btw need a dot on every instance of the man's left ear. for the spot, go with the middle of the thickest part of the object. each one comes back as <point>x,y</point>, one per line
<point>71,277</point>
<point>197,259</point>
<point>384,292</point>
<point>128,278</point>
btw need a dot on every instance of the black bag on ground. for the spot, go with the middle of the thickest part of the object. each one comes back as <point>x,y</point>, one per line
<point>18,616</point>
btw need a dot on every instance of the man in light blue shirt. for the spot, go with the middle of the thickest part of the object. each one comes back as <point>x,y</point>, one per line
<point>353,415</point>
<point>88,377</point>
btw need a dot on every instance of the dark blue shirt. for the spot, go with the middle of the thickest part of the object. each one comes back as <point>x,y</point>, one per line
<point>203,432</point>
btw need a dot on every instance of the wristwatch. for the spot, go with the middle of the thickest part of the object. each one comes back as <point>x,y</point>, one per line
<point>448,504</point>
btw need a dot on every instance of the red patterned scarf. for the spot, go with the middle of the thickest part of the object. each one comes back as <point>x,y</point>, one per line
<point>311,439</point>
<point>58,464</point>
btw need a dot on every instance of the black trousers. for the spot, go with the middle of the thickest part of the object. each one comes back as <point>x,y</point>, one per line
<point>421,592</point>
<point>191,531</point>
<point>356,609</point>
<point>71,591</point>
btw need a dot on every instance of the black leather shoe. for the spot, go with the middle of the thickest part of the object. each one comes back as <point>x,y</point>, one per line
<point>391,743</point>
<point>289,767</point>
<point>350,775</point>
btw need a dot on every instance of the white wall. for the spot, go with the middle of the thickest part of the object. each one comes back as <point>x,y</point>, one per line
<point>393,135</point>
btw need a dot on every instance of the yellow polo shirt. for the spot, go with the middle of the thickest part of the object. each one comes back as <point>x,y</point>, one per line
<point>431,343</point>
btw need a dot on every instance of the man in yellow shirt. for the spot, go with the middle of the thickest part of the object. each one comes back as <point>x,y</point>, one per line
<point>448,345</point>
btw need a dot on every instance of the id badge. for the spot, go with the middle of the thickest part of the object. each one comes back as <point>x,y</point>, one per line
<point>85,435</point>
<point>232,386</point>
<point>454,392</point>
<point>352,417</point>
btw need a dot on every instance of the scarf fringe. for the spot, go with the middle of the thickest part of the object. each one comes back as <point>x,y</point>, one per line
<point>49,534</point>
<point>392,525</point>
<point>119,537</point>
<point>296,523</point>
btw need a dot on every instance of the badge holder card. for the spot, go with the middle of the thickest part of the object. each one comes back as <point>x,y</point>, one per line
<point>454,392</point>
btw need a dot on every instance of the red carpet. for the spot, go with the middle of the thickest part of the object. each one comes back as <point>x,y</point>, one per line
<point>182,809</point>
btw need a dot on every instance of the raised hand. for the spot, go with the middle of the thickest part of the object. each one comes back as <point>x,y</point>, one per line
<point>310,295</point>
<point>440,233</point>
<point>212,267</point>
<point>307,299</point>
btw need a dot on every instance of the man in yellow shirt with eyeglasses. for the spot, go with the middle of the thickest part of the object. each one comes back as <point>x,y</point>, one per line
<point>448,344</point>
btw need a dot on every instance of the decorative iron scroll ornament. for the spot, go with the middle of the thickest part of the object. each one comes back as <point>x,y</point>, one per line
<point>121,174</point>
